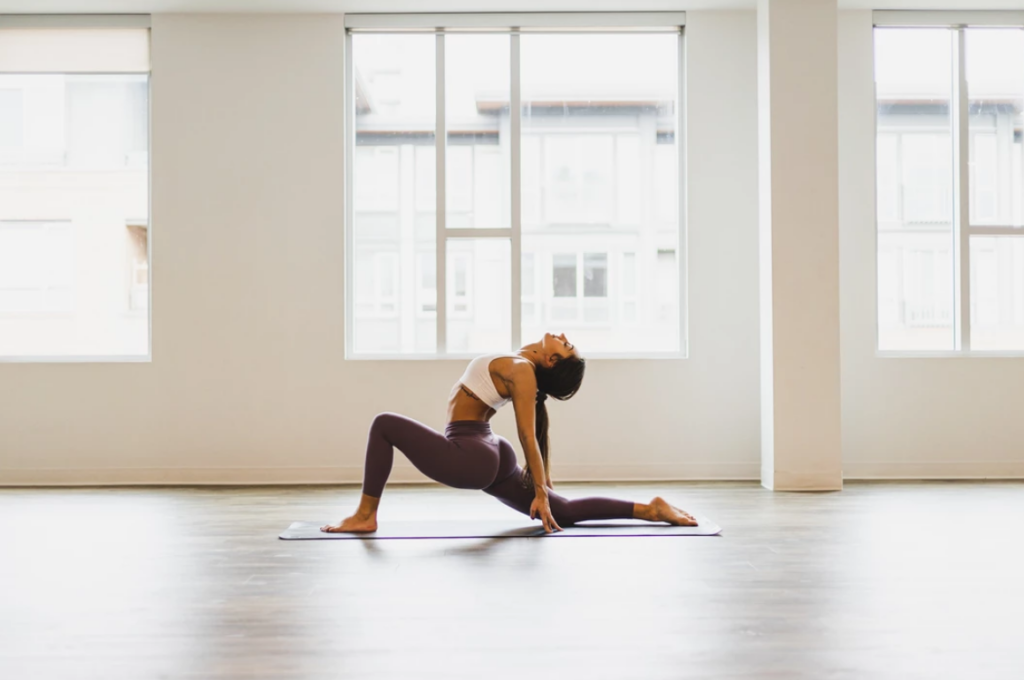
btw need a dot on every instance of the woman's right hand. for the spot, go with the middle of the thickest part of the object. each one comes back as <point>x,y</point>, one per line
<point>541,509</point>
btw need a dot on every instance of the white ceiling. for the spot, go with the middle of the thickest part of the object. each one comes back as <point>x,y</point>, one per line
<point>231,6</point>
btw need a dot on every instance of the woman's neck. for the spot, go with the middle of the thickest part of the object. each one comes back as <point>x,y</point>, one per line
<point>531,353</point>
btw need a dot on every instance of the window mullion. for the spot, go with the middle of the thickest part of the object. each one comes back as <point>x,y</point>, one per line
<point>515,113</point>
<point>682,257</point>
<point>441,240</point>
<point>350,147</point>
<point>961,197</point>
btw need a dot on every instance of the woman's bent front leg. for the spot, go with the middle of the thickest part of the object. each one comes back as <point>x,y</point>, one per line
<point>469,460</point>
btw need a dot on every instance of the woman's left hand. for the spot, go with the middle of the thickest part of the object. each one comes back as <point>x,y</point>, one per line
<point>541,509</point>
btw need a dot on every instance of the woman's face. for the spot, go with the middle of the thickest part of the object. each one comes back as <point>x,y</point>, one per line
<point>558,347</point>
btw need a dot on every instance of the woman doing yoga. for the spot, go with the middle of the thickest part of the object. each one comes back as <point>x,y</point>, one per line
<point>469,456</point>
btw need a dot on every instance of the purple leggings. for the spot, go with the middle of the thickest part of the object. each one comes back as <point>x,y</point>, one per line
<point>469,456</point>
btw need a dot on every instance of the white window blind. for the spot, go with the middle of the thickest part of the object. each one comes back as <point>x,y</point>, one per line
<point>73,50</point>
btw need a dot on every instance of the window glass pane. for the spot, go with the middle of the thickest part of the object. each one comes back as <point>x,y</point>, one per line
<point>888,177</point>
<point>578,179</point>
<point>479,295</point>
<point>74,206</point>
<point>997,293</point>
<point>599,179</point>
<point>527,274</point>
<point>426,288</point>
<point>564,275</point>
<point>666,181</point>
<point>995,88</point>
<point>460,185</point>
<point>477,98</point>
<point>913,74</point>
<point>530,181</point>
<point>388,275</point>
<point>667,285</point>
<point>12,118</point>
<point>627,180</point>
<point>395,190</point>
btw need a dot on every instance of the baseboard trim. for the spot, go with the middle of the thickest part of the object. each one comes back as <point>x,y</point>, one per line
<point>402,474</point>
<point>406,474</point>
<point>784,480</point>
<point>933,470</point>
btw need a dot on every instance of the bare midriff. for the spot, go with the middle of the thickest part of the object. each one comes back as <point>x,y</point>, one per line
<point>464,405</point>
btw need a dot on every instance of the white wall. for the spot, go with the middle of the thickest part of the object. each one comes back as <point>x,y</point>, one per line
<point>247,382</point>
<point>911,418</point>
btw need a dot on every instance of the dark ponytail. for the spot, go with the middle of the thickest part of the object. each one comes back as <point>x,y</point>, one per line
<point>561,381</point>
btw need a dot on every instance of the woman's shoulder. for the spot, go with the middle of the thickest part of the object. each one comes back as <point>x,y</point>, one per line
<point>507,361</point>
<point>512,367</point>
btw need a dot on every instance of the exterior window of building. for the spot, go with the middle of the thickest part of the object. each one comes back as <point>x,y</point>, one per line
<point>597,189</point>
<point>74,197</point>
<point>945,283</point>
<point>564,275</point>
<point>595,275</point>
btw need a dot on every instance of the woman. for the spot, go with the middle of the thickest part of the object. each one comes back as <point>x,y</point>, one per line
<point>469,456</point>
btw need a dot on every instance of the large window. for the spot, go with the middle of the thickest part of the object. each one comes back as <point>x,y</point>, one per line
<point>504,184</point>
<point>950,188</point>
<point>74,193</point>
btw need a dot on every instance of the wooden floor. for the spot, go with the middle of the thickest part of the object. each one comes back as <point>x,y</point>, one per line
<point>921,580</point>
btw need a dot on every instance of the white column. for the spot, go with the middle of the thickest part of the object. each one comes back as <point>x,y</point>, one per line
<point>798,147</point>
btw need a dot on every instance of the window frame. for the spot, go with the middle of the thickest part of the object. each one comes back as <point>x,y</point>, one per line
<point>513,24</point>
<point>958,22</point>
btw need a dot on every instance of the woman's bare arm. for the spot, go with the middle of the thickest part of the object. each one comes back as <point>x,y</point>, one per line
<point>522,383</point>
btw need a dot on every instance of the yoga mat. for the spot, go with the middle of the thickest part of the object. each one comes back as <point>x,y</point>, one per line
<point>300,531</point>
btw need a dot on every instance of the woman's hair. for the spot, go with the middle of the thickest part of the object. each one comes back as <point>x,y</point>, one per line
<point>561,381</point>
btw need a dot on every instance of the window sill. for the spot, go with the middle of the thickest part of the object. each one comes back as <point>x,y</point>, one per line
<point>598,356</point>
<point>37,315</point>
<point>74,359</point>
<point>950,354</point>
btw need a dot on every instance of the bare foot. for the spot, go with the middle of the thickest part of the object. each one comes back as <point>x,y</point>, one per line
<point>352,525</point>
<point>662,511</point>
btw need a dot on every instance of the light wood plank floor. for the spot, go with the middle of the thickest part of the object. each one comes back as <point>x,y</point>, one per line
<point>885,580</point>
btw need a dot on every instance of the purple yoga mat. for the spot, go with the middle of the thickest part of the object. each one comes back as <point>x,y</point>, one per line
<point>305,531</point>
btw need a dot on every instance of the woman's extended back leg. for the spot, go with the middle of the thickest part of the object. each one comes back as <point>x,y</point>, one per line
<point>511,491</point>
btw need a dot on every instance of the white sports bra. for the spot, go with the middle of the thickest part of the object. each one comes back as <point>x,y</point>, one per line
<point>478,379</point>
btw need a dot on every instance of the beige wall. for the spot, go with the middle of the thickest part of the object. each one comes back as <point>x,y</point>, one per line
<point>247,382</point>
<point>911,418</point>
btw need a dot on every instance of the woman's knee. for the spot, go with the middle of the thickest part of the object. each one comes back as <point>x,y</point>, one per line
<point>384,423</point>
